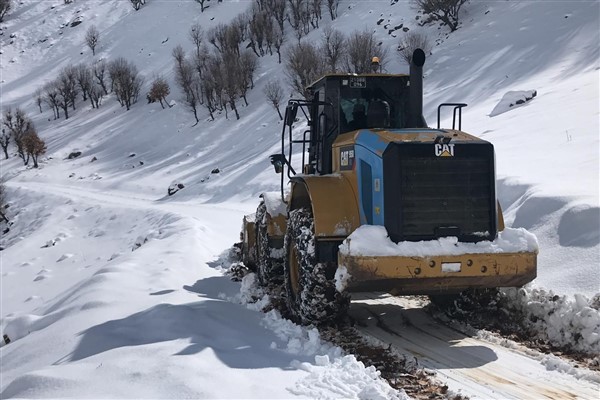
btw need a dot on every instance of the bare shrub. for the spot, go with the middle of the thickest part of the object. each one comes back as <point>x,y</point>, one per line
<point>412,41</point>
<point>442,10</point>
<point>91,38</point>
<point>274,94</point>
<point>33,145</point>
<point>159,91</point>
<point>361,48</point>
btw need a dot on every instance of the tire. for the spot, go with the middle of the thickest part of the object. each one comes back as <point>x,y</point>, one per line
<point>269,269</point>
<point>311,295</point>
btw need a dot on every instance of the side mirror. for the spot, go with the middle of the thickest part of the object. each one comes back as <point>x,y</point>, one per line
<point>290,114</point>
<point>278,160</point>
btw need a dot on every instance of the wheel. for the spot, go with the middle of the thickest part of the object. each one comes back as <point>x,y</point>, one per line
<point>269,265</point>
<point>311,295</point>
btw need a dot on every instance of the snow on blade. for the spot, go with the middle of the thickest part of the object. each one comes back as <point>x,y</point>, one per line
<point>370,240</point>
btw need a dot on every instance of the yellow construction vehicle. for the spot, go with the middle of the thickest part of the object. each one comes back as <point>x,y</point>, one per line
<point>374,172</point>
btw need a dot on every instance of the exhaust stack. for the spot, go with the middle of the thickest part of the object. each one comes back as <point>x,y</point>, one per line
<point>416,119</point>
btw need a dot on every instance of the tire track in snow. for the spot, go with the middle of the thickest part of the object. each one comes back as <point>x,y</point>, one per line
<point>473,367</point>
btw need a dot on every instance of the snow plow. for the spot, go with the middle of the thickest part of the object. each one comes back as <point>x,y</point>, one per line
<point>382,201</point>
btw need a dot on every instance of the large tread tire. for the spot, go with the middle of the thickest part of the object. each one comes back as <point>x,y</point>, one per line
<point>269,268</point>
<point>311,295</point>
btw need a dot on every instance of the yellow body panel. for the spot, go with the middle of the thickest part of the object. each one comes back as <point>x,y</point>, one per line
<point>248,237</point>
<point>425,275</point>
<point>333,201</point>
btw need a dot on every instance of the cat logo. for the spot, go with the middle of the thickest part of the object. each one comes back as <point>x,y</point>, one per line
<point>444,150</point>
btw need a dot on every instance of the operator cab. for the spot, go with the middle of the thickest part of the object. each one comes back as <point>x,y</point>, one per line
<point>345,103</point>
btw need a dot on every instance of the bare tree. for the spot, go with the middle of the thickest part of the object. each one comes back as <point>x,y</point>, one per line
<point>197,36</point>
<point>412,41</point>
<point>247,67</point>
<point>303,65</point>
<point>188,80</point>
<point>5,136</point>
<point>316,12</point>
<point>332,6</point>
<point>91,38</point>
<point>51,97</point>
<point>295,16</point>
<point>99,71</point>
<point>5,7</point>
<point>361,48</point>
<point>442,10</point>
<point>274,94</point>
<point>159,91</point>
<point>334,45</point>
<point>3,201</point>
<point>126,81</point>
<point>278,40</point>
<point>277,10</point>
<point>34,146</point>
<point>202,4</point>
<point>66,85</point>
<point>19,124</point>
<point>96,93</point>
<point>85,80</point>
<point>38,96</point>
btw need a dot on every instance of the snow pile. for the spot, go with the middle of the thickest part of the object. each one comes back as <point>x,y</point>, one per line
<point>563,321</point>
<point>342,276</point>
<point>344,378</point>
<point>370,240</point>
<point>332,375</point>
<point>512,99</point>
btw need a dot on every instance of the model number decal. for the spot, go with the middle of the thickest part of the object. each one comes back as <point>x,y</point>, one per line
<point>444,150</point>
<point>347,158</point>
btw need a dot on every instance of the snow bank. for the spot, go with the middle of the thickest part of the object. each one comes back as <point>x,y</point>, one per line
<point>512,99</point>
<point>371,240</point>
<point>563,321</point>
<point>333,375</point>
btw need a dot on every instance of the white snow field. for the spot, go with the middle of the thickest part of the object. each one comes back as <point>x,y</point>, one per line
<point>112,289</point>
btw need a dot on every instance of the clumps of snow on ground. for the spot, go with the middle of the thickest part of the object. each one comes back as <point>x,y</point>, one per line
<point>344,377</point>
<point>560,320</point>
<point>333,374</point>
<point>371,240</point>
<point>341,278</point>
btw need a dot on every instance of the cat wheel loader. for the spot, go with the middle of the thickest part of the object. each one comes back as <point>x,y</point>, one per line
<point>369,162</point>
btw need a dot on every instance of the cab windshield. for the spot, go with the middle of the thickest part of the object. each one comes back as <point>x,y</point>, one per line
<point>373,102</point>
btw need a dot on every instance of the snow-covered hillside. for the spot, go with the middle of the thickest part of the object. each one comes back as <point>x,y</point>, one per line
<point>110,288</point>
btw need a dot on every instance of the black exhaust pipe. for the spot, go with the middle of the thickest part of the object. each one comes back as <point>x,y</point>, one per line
<point>416,119</point>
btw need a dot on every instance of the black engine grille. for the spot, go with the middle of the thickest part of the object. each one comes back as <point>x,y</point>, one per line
<point>428,197</point>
